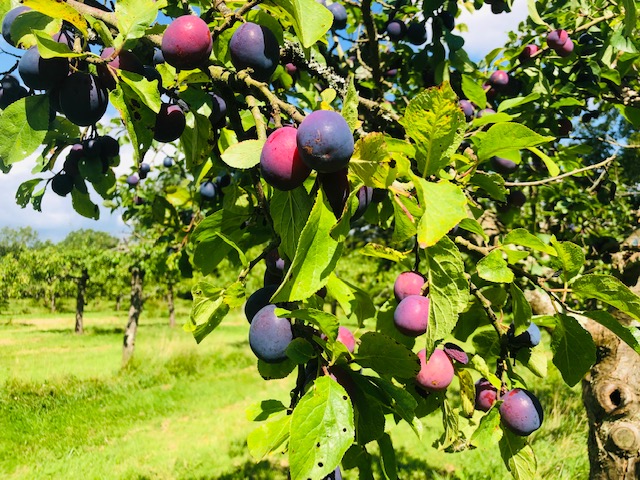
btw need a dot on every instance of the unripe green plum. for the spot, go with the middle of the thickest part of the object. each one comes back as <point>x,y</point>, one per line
<point>411,316</point>
<point>269,335</point>
<point>521,412</point>
<point>436,374</point>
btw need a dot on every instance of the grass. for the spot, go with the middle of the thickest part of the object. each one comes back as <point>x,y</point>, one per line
<point>68,411</point>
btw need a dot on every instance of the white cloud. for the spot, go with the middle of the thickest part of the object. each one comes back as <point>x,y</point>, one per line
<point>488,30</point>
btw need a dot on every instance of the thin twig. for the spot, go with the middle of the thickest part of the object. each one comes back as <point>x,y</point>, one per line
<point>560,177</point>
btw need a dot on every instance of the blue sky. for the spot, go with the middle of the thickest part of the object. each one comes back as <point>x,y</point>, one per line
<point>486,32</point>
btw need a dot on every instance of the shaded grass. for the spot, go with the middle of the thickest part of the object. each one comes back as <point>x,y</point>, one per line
<point>178,411</point>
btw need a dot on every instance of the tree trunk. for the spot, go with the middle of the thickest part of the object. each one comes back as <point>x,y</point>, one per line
<point>52,304</point>
<point>137,276</point>
<point>118,300</point>
<point>611,396</point>
<point>172,307</point>
<point>82,291</point>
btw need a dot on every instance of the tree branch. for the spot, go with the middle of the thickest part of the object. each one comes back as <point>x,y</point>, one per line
<point>560,177</point>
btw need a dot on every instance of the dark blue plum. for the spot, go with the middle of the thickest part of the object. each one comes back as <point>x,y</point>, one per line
<point>325,141</point>
<point>218,110</point>
<point>109,146</point>
<point>83,98</point>
<point>133,180</point>
<point>411,316</point>
<point>503,165</point>
<point>255,46</point>
<point>167,162</point>
<point>208,190</point>
<point>396,29</point>
<point>521,412</point>
<point>527,339</point>
<point>62,184</point>
<point>336,187</point>
<point>448,20</point>
<point>516,198</point>
<point>258,300</point>
<point>269,335</point>
<point>417,33</point>
<point>8,20</point>
<point>11,91</point>
<point>42,73</point>
<point>170,123</point>
<point>339,16</point>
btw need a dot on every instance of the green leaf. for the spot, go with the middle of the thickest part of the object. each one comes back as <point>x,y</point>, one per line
<point>300,351</point>
<point>489,431</point>
<point>517,101</point>
<point>371,161</point>
<point>533,13</point>
<point>451,435</point>
<point>609,290</point>
<point>448,289</point>
<point>276,371</point>
<point>507,137</point>
<point>386,356</point>
<point>472,225</point>
<point>444,207</point>
<point>535,359</point>
<point>398,400</point>
<point>574,352</point>
<point>316,256</point>
<point>350,105</point>
<point>518,456</point>
<point>83,205</point>
<point>474,91</point>
<point>27,23</point>
<point>492,183</point>
<point>290,211</point>
<point>243,155</point>
<point>521,310</point>
<point>404,226</point>
<point>134,17</point>
<point>630,16</point>
<point>325,321</point>
<point>144,90</point>
<point>59,10</point>
<point>197,140</point>
<point>49,48</point>
<point>25,191</point>
<point>388,465</point>
<point>494,268</point>
<point>434,121</point>
<point>136,116</point>
<point>208,309</point>
<point>311,21</point>
<point>322,429</point>
<point>264,410</point>
<point>467,391</point>
<point>570,257</point>
<point>351,299</point>
<point>553,168</point>
<point>522,237</point>
<point>24,125</point>
<point>387,253</point>
<point>628,335</point>
<point>269,437</point>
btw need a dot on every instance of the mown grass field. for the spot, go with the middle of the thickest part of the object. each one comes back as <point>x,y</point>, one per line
<point>67,410</point>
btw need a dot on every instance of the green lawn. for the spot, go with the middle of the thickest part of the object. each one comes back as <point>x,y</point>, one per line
<point>67,410</point>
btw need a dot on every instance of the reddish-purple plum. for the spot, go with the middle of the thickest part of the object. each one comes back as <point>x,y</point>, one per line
<point>467,108</point>
<point>280,162</point>
<point>411,316</point>
<point>325,141</point>
<point>557,38</point>
<point>8,20</point>
<point>396,29</point>
<point>339,16</point>
<point>258,300</point>
<point>83,98</point>
<point>486,395</point>
<point>503,165</point>
<point>42,73</point>
<point>336,187</point>
<point>417,33</point>
<point>408,283</point>
<point>269,335</point>
<point>566,49</point>
<point>255,46</point>
<point>436,374</point>
<point>187,42</point>
<point>125,60</point>
<point>521,412</point>
<point>528,52</point>
<point>484,112</point>
<point>170,123</point>
<point>499,79</point>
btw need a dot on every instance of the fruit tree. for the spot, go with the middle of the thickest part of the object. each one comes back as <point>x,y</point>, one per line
<point>313,135</point>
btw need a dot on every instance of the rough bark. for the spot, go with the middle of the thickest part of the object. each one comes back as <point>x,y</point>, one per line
<point>171,304</point>
<point>80,300</point>
<point>137,277</point>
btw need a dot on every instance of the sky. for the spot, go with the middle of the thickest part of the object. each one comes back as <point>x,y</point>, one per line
<point>486,32</point>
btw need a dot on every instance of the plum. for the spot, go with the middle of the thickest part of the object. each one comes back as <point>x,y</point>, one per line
<point>8,20</point>
<point>144,169</point>
<point>516,198</point>
<point>416,33</point>
<point>564,127</point>
<point>365,196</point>
<point>408,283</point>
<point>566,49</point>
<point>345,336</point>
<point>11,91</point>
<point>528,52</point>
<point>269,335</point>
<point>499,79</point>
<point>467,108</point>
<point>456,353</point>
<point>125,60</point>
<point>527,339</point>
<point>274,263</point>
<point>109,146</point>
<point>521,412</point>
<point>218,110</point>
<point>255,46</point>
<point>325,141</point>
<point>187,42</point>
<point>448,20</point>
<point>484,112</point>
<point>396,30</point>
<point>83,98</point>
<point>167,162</point>
<point>280,162</point>
<point>557,38</point>
<point>486,395</point>
<point>503,165</point>
<point>258,300</point>
<point>411,316</point>
<point>335,475</point>
<point>42,73</point>
<point>207,190</point>
<point>336,187</point>
<point>170,123</point>
<point>133,180</point>
<point>436,374</point>
<point>339,16</point>
<point>62,184</point>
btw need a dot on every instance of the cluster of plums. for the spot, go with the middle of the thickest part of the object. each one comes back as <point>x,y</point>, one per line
<point>89,159</point>
<point>416,31</point>
<point>210,189</point>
